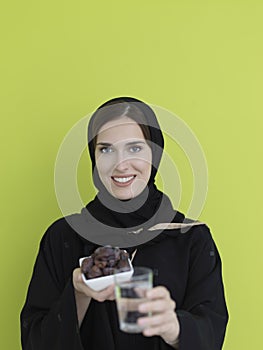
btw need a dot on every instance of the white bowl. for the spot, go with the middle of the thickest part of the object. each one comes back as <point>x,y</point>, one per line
<point>99,283</point>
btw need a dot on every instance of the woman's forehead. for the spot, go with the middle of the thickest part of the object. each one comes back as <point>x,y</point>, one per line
<point>119,129</point>
<point>122,121</point>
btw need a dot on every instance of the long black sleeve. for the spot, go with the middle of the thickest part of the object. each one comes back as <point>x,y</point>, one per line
<point>49,316</point>
<point>203,315</point>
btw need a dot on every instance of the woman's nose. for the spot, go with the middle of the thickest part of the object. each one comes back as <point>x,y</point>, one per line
<point>122,163</point>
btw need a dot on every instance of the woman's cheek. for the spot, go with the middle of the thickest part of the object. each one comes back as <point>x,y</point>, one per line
<point>144,166</point>
<point>104,168</point>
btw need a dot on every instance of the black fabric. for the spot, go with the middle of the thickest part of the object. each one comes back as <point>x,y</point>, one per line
<point>156,208</point>
<point>188,264</point>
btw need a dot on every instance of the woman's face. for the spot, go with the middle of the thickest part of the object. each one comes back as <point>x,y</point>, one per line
<point>123,158</point>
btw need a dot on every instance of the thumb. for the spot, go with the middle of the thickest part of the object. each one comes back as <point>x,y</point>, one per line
<point>80,276</point>
<point>77,275</point>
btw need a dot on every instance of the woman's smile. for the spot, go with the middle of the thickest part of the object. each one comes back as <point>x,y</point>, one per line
<point>123,180</point>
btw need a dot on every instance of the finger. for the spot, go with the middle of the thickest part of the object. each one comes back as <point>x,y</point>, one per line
<point>103,294</point>
<point>157,306</point>
<point>156,320</point>
<point>157,330</point>
<point>159,292</point>
<point>77,280</point>
<point>110,292</point>
<point>77,274</point>
<point>112,296</point>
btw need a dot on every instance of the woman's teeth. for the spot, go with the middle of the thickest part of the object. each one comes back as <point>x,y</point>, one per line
<point>123,179</point>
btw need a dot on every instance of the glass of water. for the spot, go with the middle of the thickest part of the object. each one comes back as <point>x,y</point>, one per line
<point>129,295</point>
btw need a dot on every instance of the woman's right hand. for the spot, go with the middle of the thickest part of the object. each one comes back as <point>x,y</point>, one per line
<point>82,288</point>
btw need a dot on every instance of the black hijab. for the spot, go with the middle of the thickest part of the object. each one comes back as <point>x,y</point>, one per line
<point>109,217</point>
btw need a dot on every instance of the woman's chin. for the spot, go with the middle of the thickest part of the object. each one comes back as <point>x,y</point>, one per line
<point>127,194</point>
<point>121,195</point>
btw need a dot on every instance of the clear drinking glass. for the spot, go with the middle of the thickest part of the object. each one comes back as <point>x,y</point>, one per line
<point>129,295</point>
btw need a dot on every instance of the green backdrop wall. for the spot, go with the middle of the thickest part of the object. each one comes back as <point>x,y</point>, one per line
<point>200,59</point>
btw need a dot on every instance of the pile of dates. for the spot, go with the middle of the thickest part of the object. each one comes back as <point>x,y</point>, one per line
<point>104,261</point>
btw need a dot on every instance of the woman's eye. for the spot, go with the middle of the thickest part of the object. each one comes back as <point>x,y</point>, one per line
<point>106,149</point>
<point>135,149</point>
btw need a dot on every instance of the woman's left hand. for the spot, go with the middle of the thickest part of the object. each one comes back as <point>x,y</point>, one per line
<point>163,320</point>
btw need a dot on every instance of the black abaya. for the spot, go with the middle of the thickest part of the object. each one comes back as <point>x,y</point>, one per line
<point>188,264</point>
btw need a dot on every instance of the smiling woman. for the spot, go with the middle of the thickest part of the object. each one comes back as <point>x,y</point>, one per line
<point>186,306</point>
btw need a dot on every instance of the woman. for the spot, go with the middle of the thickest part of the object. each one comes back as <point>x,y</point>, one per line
<point>187,304</point>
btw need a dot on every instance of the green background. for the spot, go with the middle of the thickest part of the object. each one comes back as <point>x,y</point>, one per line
<point>200,59</point>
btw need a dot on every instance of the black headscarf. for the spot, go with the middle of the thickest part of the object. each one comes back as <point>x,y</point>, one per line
<point>156,137</point>
<point>107,215</point>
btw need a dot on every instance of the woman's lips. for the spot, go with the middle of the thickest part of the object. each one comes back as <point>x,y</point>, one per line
<point>123,181</point>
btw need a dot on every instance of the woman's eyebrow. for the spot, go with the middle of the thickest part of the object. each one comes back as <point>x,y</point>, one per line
<point>103,144</point>
<point>107,144</point>
<point>134,143</point>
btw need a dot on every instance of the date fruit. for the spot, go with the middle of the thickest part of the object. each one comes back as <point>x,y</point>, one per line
<point>104,261</point>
